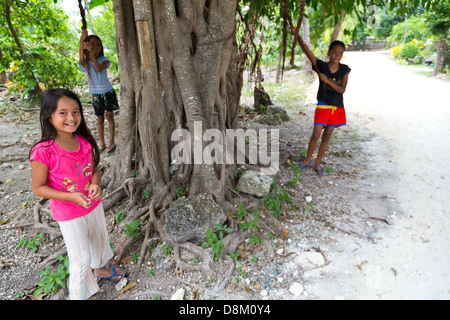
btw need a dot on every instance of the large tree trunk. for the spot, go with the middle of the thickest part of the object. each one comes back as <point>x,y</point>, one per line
<point>307,39</point>
<point>177,70</point>
<point>440,57</point>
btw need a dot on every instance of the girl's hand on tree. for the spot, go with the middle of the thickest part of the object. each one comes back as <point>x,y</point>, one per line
<point>81,199</point>
<point>84,34</point>
<point>95,192</point>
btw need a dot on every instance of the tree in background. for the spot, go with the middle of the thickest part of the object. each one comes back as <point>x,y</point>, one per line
<point>37,47</point>
<point>438,22</point>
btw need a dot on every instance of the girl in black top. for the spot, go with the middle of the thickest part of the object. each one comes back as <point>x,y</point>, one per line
<point>330,112</point>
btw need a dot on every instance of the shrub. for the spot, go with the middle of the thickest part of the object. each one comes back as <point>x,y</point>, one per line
<point>395,51</point>
<point>409,51</point>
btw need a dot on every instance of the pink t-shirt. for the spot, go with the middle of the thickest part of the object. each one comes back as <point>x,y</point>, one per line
<point>68,171</point>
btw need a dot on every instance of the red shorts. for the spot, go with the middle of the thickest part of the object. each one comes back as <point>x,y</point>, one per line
<point>330,116</point>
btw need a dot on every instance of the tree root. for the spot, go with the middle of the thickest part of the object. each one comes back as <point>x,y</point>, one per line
<point>206,256</point>
<point>38,225</point>
<point>51,259</point>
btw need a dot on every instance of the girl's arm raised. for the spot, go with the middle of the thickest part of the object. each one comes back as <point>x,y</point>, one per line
<point>39,172</point>
<point>81,58</point>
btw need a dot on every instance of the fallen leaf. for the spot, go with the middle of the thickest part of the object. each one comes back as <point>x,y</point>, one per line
<point>288,254</point>
<point>125,261</point>
<point>257,286</point>
<point>361,264</point>
<point>38,297</point>
<point>247,289</point>
<point>284,234</point>
<point>195,292</point>
<point>128,287</point>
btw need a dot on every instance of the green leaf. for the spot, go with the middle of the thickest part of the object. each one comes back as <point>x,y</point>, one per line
<point>95,3</point>
<point>37,292</point>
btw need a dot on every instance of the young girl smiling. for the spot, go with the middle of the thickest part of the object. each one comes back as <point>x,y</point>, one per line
<point>64,170</point>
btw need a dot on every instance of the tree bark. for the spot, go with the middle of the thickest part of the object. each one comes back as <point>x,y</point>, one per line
<point>439,57</point>
<point>307,39</point>
<point>178,68</point>
<point>337,27</point>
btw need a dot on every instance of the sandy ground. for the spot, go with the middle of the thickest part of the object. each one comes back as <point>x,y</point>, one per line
<point>409,116</point>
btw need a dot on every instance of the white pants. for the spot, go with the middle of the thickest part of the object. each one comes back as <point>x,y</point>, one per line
<point>88,247</point>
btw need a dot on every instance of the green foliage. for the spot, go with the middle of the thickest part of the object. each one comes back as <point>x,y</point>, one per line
<point>52,281</point>
<point>276,200</point>
<point>119,216</point>
<point>32,244</point>
<point>212,241</point>
<point>43,48</point>
<point>416,29</point>
<point>215,241</point>
<point>438,18</point>
<point>132,229</point>
<point>409,51</point>
<point>167,251</point>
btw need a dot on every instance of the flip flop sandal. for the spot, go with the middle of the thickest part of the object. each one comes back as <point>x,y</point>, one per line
<point>111,148</point>
<point>115,274</point>
<point>303,167</point>
<point>320,171</point>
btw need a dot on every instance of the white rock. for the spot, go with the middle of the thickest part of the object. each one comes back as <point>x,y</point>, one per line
<point>178,295</point>
<point>315,258</point>
<point>121,284</point>
<point>296,289</point>
<point>308,199</point>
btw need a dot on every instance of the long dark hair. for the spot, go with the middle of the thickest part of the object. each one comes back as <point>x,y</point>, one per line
<point>336,43</point>
<point>48,132</point>
<point>86,53</point>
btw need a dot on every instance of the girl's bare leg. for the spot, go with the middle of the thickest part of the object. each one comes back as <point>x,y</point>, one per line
<point>323,145</point>
<point>112,126</point>
<point>312,144</point>
<point>101,130</point>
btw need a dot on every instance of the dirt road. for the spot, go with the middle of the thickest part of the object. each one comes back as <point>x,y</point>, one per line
<point>409,114</point>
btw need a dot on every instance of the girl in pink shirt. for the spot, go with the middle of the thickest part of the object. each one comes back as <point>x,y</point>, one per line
<point>64,170</point>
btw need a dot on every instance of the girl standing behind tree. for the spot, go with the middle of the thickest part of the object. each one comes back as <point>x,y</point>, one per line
<point>330,112</point>
<point>94,64</point>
